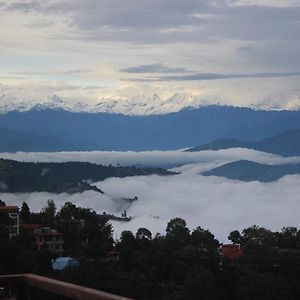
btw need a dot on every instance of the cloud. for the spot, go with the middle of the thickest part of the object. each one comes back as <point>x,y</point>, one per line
<point>166,159</point>
<point>219,204</point>
<point>274,3</point>
<point>148,36</point>
<point>215,76</point>
<point>154,68</point>
<point>33,5</point>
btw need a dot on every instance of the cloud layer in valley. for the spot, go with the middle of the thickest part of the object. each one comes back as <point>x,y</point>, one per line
<point>165,159</point>
<point>216,203</point>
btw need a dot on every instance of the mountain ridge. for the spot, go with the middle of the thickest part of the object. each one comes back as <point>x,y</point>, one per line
<point>172,131</point>
<point>247,171</point>
<point>286,143</point>
<point>141,104</point>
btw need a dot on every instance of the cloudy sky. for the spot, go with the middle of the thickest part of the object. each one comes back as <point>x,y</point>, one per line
<point>229,51</point>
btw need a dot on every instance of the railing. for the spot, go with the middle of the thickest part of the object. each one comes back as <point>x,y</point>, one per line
<point>32,287</point>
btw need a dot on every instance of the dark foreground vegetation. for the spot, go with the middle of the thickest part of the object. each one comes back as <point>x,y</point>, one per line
<point>182,264</point>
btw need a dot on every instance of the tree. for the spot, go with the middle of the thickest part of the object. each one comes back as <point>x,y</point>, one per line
<point>25,213</point>
<point>2,203</point>
<point>288,238</point>
<point>262,286</point>
<point>178,234</point>
<point>143,234</point>
<point>235,237</point>
<point>174,224</point>
<point>49,212</point>
<point>205,240</point>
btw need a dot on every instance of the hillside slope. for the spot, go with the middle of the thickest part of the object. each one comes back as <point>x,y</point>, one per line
<point>69,177</point>
<point>286,143</point>
<point>249,171</point>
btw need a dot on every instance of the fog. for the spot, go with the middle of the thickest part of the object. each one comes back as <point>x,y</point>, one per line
<point>166,159</point>
<point>215,203</point>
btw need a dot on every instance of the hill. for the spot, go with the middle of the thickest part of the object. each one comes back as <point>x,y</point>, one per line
<point>249,171</point>
<point>70,177</point>
<point>286,143</point>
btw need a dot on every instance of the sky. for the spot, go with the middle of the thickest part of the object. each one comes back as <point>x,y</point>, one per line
<point>215,203</point>
<point>236,52</point>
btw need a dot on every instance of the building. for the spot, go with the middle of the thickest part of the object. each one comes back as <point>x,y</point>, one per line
<point>28,227</point>
<point>14,215</point>
<point>50,239</point>
<point>231,251</point>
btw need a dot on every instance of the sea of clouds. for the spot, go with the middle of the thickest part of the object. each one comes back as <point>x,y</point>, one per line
<point>215,203</point>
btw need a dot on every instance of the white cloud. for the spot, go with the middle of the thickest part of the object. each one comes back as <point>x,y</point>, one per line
<point>166,159</point>
<point>216,203</point>
<point>47,37</point>
<point>272,3</point>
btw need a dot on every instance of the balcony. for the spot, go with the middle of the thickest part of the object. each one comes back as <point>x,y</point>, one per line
<point>34,287</point>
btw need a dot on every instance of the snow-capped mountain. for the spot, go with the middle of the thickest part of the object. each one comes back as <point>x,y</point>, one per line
<point>143,104</point>
<point>140,104</point>
<point>277,105</point>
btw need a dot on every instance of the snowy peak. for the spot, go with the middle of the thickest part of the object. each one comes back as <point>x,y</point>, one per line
<point>274,104</point>
<point>140,104</point>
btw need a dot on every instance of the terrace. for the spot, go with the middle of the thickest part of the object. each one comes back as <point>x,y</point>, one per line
<point>33,287</point>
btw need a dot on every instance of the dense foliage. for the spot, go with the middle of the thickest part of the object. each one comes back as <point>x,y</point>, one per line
<point>69,177</point>
<point>182,264</point>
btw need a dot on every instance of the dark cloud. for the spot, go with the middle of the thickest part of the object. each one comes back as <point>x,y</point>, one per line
<point>214,76</point>
<point>154,68</point>
<point>33,5</point>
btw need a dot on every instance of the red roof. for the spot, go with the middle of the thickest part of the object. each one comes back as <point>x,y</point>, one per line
<point>11,207</point>
<point>231,251</point>
<point>30,226</point>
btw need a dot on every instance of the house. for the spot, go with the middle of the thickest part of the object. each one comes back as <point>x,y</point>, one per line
<point>51,239</point>
<point>29,227</point>
<point>14,215</point>
<point>113,255</point>
<point>231,251</point>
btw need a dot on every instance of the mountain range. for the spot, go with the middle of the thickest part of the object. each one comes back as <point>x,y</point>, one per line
<point>139,104</point>
<point>61,130</point>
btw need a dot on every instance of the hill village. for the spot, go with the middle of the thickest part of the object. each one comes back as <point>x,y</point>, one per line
<point>76,245</point>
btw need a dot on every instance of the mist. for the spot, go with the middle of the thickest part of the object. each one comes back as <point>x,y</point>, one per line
<point>165,159</point>
<point>215,203</point>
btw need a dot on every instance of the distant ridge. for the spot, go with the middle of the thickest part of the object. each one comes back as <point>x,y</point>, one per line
<point>14,140</point>
<point>62,130</point>
<point>245,170</point>
<point>286,143</point>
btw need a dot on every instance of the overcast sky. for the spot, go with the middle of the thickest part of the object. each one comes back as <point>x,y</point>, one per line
<point>229,51</point>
